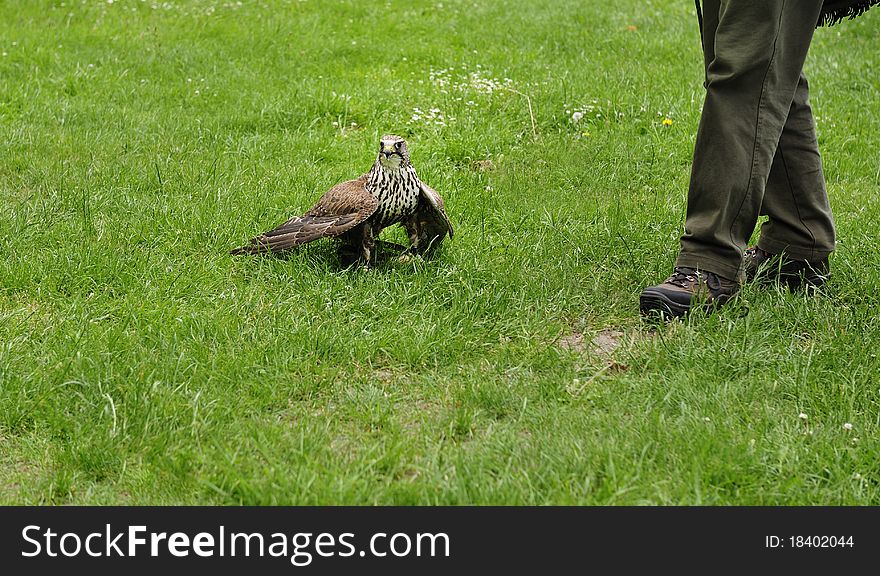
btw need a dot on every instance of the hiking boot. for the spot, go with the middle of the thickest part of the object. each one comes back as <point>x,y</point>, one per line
<point>685,289</point>
<point>762,266</point>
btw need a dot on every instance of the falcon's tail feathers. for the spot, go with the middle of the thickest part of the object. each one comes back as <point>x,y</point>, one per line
<point>299,230</point>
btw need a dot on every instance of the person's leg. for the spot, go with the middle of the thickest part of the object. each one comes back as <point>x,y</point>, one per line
<point>754,52</point>
<point>758,48</point>
<point>800,224</point>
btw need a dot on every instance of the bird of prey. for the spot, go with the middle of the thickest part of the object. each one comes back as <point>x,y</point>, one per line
<point>356,211</point>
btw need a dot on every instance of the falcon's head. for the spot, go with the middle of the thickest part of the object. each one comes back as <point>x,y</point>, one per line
<point>393,152</point>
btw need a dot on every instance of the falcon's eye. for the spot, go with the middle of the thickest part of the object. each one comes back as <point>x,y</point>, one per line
<point>399,145</point>
<point>381,145</point>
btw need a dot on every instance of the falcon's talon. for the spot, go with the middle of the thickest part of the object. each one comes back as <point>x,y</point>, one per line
<point>357,210</point>
<point>410,256</point>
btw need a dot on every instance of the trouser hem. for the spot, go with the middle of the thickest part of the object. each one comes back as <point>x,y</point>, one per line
<point>794,252</point>
<point>708,264</point>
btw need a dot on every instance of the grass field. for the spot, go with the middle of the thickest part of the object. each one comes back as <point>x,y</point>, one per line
<point>141,364</point>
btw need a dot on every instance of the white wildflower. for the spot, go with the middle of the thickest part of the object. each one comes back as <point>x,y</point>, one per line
<point>433,116</point>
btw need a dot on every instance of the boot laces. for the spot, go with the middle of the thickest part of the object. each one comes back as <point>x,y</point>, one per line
<point>683,278</point>
<point>687,277</point>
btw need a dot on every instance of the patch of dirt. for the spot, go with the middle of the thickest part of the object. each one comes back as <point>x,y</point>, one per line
<point>604,343</point>
<point>383,375</point>
<point>572,342</point>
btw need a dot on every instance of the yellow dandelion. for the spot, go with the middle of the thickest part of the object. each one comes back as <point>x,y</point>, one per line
<point>667,122</point>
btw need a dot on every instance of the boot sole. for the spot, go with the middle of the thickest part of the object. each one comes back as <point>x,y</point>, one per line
<point>653,302</point>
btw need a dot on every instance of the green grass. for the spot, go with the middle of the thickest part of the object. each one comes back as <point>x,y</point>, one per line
<point>141,364</point>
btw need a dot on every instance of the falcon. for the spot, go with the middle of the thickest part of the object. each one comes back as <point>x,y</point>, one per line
<point>356,211</point>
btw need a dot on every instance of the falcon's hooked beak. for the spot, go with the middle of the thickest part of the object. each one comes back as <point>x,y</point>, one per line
<point>390,155</point>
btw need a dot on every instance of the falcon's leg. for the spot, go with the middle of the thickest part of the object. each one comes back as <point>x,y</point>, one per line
<point>357,245</point>
<point>424,236</point>
<point>368,246</point>
<point>414,231</point>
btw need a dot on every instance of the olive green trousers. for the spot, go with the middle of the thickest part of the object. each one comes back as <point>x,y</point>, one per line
<point>756,151</point>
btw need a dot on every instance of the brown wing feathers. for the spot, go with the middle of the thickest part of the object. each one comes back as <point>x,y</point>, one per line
<point>340,209</point>
<point>297,231</point>
<point>434,212</point>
